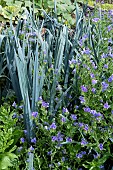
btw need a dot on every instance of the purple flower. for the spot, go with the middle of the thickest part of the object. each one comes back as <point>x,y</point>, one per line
<point>106,66</point>
<point>25,132</point>
<point>110,79</point>
<point>68,139</point>
<point>86,127</point>
<point>92,75</point>
<point>84,89</point>
<point>79,155</point>
<point>49,153</point>
<point>33,140</point>
<point>14,104</point>
<point>22,140</point>
<point>31,148</point>
<point>73,61</point>
<point>101,166</point>
<point>86,51</point>
<point>20,148</point>
<point>84,142</point>
<point>65,110</point>
<point>82,99</point>
<point>58,163</point>
<point>104,55</point>
<point>53,126</point>
<point>96,156</point>
<point>93,112</point>
<point>101,146</point>
<point>93,90</point>
<point>14,116</point>
<point>59,137</point>
<point>35,114</point>
<point>74,117</point>
<point>96,19</point>
<point>63,159</point>
<point>63,119</point>
<point>54,138</point>
<point>94,81</point>
<point>40,98</point>
<point>51,165</point>
<point>83,152</point>
<point>112,111</point>
<point>87,109</point>
<point>21,107</point>
<point>69,168</point>
<point>106,106</point>
<point>104,86</point>
<point>45,104</point>
<point>74,71</point>
<point>109,28</point>
<point>80,124</point>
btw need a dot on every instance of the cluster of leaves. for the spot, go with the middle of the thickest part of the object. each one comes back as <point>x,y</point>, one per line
<point>15,9</point>
<point>9,134</point>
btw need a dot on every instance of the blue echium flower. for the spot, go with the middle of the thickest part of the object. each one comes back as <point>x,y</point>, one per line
<point>20,148</point>
<point>31,148</point>
<point>22,140</point>
<point>73,61</point>
<point>63,119</point>
<point>110,79</point>
<point>93,90</point>
<point>92,75</point>
<point>79,155</point>
<point>101,166</point>
<point>74,71</point>
<point>84,89</point>
<point>40,98</point>
<point>59,136</point>
<point>33,140</point>
<point>96,19</point>
<point>86,127</point>
<point>63,159</point>
<point>94,81</point>
<point>84,142</point>
<point>106,66</point>
<point>45,104</point>
<point>58,163</point>
<point>80,124</point>
<point>106,106</point>
<point>86,51</point>
<point>14,116</point>
<point>14,104</point>
<point>25,132</point>
<point>49,153</point>
<point>54,138</point>
<point>101,146</point>
<point>96,156</point>
<point>104,86</point>
<point>82,100</point>
<point>53,126</point>
<point>104,55</point>
<point>35,114</point>
<point>65,110</point>
<point>73,117</point>
<point>68,139</point>
<point>69,168</point>
<point>87,109</point>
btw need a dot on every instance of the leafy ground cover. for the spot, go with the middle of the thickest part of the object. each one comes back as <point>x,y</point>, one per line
<point>56,93</point>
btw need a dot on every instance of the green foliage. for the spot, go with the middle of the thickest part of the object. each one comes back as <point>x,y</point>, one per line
<point>9,135</point>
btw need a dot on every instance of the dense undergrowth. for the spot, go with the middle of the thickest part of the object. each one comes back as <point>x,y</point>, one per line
<point>56,88</point>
